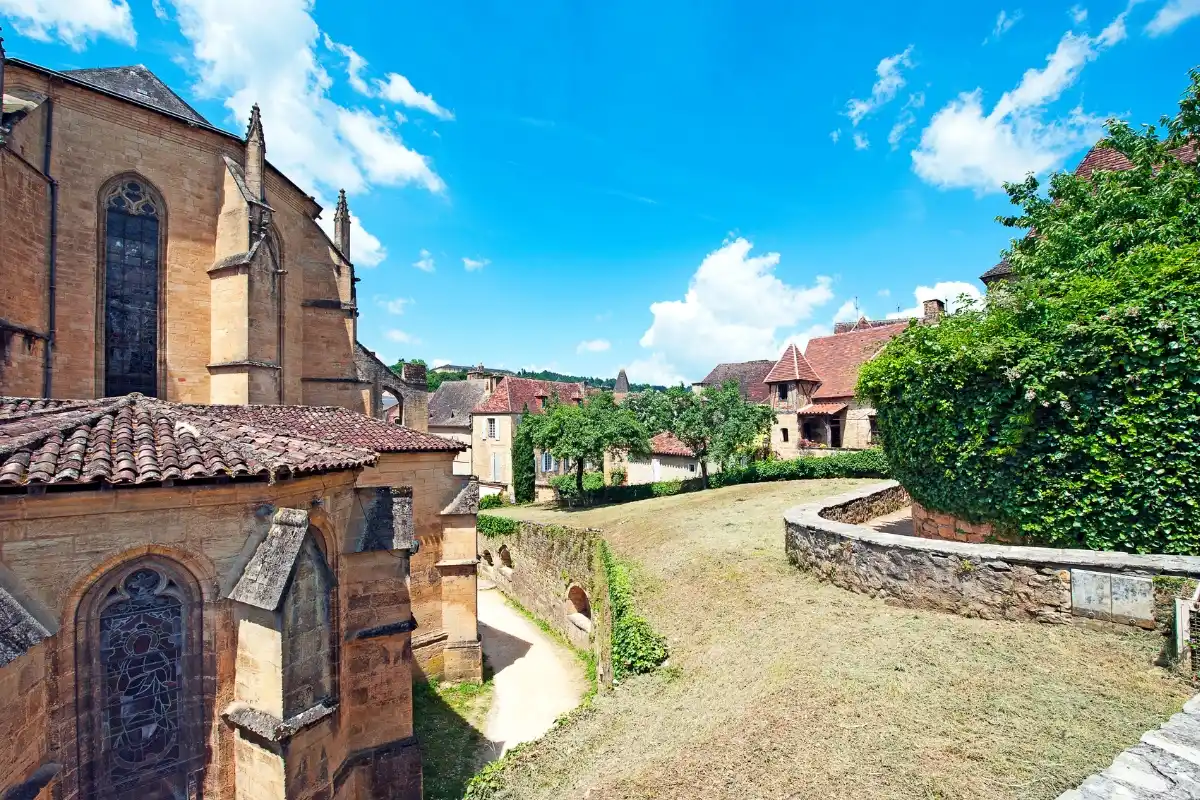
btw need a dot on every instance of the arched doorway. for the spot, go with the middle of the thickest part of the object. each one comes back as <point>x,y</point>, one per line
<point>393,407</point>
<point>139,684</point>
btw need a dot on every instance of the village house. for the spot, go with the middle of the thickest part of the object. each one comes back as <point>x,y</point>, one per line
<point>669,460</point>
<point>450,410</point>
<point>749,376</point>
<point>223,601</point>
<point>162,255</point>
<point>493,423</point>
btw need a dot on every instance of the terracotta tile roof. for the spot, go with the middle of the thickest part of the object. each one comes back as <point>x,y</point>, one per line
<point>513,394</point>
<point>749,376</point>
<point>665,444</point>
<point>791,366</point>
<point>141,440</point>
<point>817,409</point>
<point>1001,270</point>
<point>838,358</point>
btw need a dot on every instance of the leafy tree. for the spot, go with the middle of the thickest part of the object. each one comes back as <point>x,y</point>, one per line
<point>1067,406</point>
<point>523,465</point>
<point>717,424</point>
<point>584,433</point>
<point>436,379</point>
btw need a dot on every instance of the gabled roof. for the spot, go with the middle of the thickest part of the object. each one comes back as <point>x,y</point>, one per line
<point>452,403</point>
<point>140,85</point>
<point>266,575</point>
<point>512,395</point>
<point>665,444</point>
<point>838,358</point>
<point>791,366</point>
<point>748,374</point>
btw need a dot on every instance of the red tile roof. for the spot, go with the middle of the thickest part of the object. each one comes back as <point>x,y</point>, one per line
<point>665,444</point>
<point>141,440</point>
<point>791,366</point>
<point>512,395</point>
<point>838,358</point>
<point>817,409</point>
<point>749,376</point>
<point>1099,158</point>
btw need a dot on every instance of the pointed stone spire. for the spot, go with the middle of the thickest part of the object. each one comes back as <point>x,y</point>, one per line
<point>341,224</point>
<point>622,386</point>
<point>256,155</point>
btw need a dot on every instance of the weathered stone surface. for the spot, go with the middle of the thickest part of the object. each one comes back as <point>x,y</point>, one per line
<point>1091,594</point>
<point>266,576</point>
<point>1165,764</point>
<point>1133,600</point>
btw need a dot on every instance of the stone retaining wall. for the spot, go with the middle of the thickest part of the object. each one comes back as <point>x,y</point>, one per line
<point>931,524</point>
<point>543,567</point>
<point>990,581</point>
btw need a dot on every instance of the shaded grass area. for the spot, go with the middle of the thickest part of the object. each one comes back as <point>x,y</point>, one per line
<point>780,686</point>
<point>448,720</point>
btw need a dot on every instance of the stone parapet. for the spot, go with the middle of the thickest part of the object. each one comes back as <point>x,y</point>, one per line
<point>991,581</point>
<point>931,524</point>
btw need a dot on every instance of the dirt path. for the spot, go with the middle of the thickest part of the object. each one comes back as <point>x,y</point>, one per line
<point>536,678</point>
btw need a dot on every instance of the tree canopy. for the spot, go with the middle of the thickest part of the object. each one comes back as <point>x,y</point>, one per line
<point>584,433</point>
<point>1067,406</point>
<point>717,424</point>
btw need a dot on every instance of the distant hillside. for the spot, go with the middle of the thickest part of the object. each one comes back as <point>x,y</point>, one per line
<point>603,383</point>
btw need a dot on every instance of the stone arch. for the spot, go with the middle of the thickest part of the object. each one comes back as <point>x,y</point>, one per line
<point>130,286</point>
<point>487,557</point>
<point>392,411</point>
<point>505,556</point>
<point>578,601</point>
<point>140,703</point>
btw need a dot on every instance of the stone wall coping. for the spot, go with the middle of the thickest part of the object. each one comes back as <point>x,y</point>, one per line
<point>809,515</point>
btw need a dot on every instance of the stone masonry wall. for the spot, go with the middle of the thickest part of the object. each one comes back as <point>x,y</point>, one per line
<point>931,524</point>
<point>1033,584</point>
<point>24,227</point>
<point>546,562</point>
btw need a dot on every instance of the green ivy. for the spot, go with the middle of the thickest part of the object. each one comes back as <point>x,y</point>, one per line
<point>490,525</point>
<point>524,478</point>
<point>636,648</point>
<point>492,501</point>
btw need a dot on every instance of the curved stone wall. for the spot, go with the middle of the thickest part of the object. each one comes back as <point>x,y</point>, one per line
<point>931,524</point>
<point>992,581</point>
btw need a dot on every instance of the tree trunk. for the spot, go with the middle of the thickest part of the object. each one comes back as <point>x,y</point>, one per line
<point>579,477</point>
<point>704,472</point>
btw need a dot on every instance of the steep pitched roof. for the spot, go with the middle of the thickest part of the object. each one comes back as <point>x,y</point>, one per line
<point>512,395</point>
<point>140,85</point>
<point>452,403</point>
<point>791,366</point>
<point>136,440</point>
<point>665,444</point>
<point>20,629</point>
<point>838,358</point>
<point>265,577</point>
<point>748,374</point>
<point>1001,270</point>
<point>622,384</point>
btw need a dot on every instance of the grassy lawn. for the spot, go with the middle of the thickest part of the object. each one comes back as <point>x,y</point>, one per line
<point>448,721</point>
<point>781,687</point>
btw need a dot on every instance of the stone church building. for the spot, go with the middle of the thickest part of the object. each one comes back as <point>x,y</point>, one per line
<point>220,568</point>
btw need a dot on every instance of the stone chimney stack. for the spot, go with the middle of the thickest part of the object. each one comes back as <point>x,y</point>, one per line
<point>934,309</point>
<point>341,224</point>
<point>256,155</point>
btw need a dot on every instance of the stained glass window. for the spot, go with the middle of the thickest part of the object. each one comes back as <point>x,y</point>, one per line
<point>131,267</point>
<point>141,691</point>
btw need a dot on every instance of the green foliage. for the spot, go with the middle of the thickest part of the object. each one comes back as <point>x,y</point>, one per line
<point>492,501</point>
<point>567,486</point>
<point>451,746</point>
<point>523,466</point>
<point>584,433</point>
<point>1068,407</point>
<point>489,525</point>
<point>436,379</point>
<point>636,648</point>
<point>617,476</point>
<point>599,383</point>
<point>717,424</point>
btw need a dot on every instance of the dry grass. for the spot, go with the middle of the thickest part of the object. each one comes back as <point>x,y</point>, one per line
<point>783,687</point>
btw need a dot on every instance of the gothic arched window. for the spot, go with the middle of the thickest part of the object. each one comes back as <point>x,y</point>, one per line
<point>132,262</point>
<point>139,685</point>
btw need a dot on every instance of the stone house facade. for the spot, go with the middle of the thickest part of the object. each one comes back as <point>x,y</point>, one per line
<point>212,601</point>
<point>151,251</point>
<point>450,410</point>
<point>669,460</point>
<point>493,423</point>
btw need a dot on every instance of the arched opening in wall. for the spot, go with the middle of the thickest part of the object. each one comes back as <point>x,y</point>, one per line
<point>139,683</point>
<point>487,557</point>
<point>505,557</point>
<point>132,236</point>
<point>393,407</point>
<point>579,608</point>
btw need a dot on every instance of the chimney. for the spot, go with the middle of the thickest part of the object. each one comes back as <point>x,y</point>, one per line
<point>934,309</point>
<point>256,155</point>
<point>341,224</point>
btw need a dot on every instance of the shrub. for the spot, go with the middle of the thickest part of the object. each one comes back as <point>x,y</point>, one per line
<point>524,479</point>
<point>565,484</point>
<point>492,501</point>
<point>489,525</point>
<point>636,648</point>
<point>617,476</point>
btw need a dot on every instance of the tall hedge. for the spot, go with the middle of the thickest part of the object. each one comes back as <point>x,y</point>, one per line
<point>523,464</point>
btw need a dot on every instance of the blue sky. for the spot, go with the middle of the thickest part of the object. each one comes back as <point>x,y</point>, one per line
<point>659,186</point>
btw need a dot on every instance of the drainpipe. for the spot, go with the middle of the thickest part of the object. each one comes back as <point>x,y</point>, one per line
<point>47,384</point>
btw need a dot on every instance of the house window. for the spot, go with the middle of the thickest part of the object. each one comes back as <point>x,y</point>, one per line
<point>131,280</point>
<point>547,462</point>
<point>874,429</point>
<point>495,466</point>
<point>783,434</point>
<point>835,432</point>
<point>783,391</point>
<point>691,467</point>
<point>491,428</point>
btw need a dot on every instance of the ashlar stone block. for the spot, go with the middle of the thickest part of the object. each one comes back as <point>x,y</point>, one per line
<point>1133,600</point>
<point>1091,594</point>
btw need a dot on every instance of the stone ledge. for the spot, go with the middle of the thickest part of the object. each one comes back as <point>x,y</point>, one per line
<point>270,728</point>
<point>392,628</point>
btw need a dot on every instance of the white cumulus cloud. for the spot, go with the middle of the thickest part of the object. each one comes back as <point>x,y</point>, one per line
<point>965,146</point>
<point>593,346</point>
<point>735,309</point>
<point>399,89</point>
<point>1173,14</point>
<point>847,312</point>
<point>425,262</point>
<point>472,264</point>
<point>1079,14</point>
<point>382,154</point>
<point>73,23</point>
<point>889,81</point>
<point>861,142</point>
<point>365,248</point>
<point>656,370</point>
<point>394,305</point>
<point>1004,23</point>
<point>955,294</point>
<point>397,335</point>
